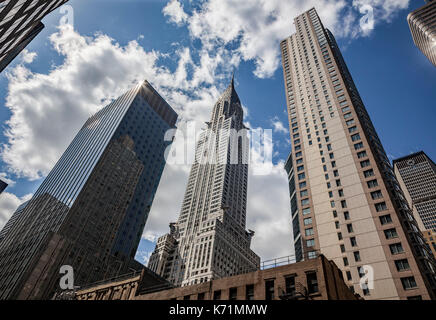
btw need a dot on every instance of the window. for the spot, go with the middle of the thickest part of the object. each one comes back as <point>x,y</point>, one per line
<point>303,184</point>
<point>305,202</point>
<point>355,137</point>
<point>217,295</point>
<point>396,248</point>
<point>269,290</point>
<point>372,184</point>
<point>343,203</point>
<point>301,176</point>
<point>391,233</point>
<point>414,298</point>
<point>352,129</point>
<point>188,297</point>
<point>309,232</point>
<point>346,215</point>
<point>338,183</point>
<point>233,293</point>
<point>307,221</point>
<point>304,193</point>
<point>306,211</point>
<point>362,154</point>
<point>345,261</point>
<point>381,206</point>
<point>365,163</point>
<point>386,219</point>
<point>310,243</point>
<point>312,282</point>
<point>337,225</point>
<point>339,235</point>
<point>408,283</point>
<point>402,265</point>
<point>342,248</point>
<point>249,292</point>
<point>358,146</point>
<point>200,296</point>
<point>349,275</point>
<point>290,285</point>
<point>350,228</point>
<point>356,256</point>
<point>376,195</point>
<point>353,241</point>
<point>341,192</point>
<point>368,173</point>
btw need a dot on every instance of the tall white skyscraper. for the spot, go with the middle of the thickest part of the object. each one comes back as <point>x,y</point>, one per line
<point>346,202</point>
<point>209,240</point>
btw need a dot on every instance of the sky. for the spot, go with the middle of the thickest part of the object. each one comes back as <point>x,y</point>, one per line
<point>93,51</point>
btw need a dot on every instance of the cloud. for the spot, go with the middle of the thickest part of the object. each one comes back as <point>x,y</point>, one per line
<point>174,10</point>
<point>8,204</point>
<point>278,126</point>
<point>47,110</point>
<point>4,177</point>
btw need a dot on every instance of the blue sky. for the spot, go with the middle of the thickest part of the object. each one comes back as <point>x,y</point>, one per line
<point>395,80</point>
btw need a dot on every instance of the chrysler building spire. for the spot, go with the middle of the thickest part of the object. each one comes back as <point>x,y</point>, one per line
<point>209,240</point>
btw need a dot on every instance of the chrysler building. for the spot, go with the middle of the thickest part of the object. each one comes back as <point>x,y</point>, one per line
<point>209,240</point>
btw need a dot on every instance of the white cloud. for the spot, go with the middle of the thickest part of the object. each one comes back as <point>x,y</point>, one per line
<point>27,56</point>
<point>4,177</point>
<point>47,110</point>
<point>8,204</point>
<point>278,126</point>
<point>174,10</point>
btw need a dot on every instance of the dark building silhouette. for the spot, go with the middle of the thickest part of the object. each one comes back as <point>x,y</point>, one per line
<point>91,209</point>
<point>20,23</point>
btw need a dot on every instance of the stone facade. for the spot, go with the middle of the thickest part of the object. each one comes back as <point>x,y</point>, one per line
<point>315,279</point>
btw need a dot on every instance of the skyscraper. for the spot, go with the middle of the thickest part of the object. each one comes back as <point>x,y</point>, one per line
<point>15,217</point>
<point>20,23</point>
<point>209,240</point>
<point>422,26</point>
<point>3,186</point>
<point>347,203</point>
<point>416,174</point>
<point>91,209</point>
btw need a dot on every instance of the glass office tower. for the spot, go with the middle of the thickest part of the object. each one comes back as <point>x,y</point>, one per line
<point>91,209</point>
<point>346,202</point>
<point>20,23</point>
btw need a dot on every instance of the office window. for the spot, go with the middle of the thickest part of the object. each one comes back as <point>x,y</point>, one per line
<point>352,129</point>
<point>309,232</point>
<point>306,211</point>
<point>290,285</point>
<point>362,154</point>
<point>372,184</point>
<point>408,283</point>
<point>376,195</point>
<point>337,224</point>
<point>368,173</point>
<point>343,203</point>
<point>355,137</point>
<point>386,219</point>
<point>310,243</point>
<point>233,293</point>
<point>249,292</point>
<point>345,261</point>
<point>381,206</point>
<point>304,193</point>
<point>348,273</point>
<point>356,256</point>
<point>365,163</point>
<point>350,228</point>
<point>339,235</point>
<point>341,192</point>
<point>402,265</point>
<point>342,248</point>
<point>358,146</point>
<point>312,282</point>
<point>307,221</point>
<point>396,248</point>
<point>353,241</point>
<point>346,215</point>
<point>335,214</point>
<point>338,183</point>
<point>391,233</point>
<point>305,202</point>
<point>303,184</point>
<point>301,176</point>
<point>269,290</point>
